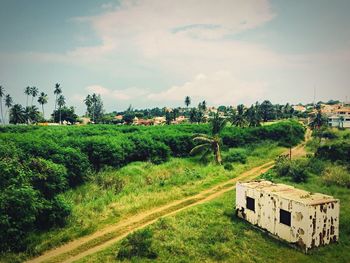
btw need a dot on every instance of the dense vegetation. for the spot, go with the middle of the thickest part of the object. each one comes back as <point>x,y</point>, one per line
<point>38,163</point>
<point>211,232</point>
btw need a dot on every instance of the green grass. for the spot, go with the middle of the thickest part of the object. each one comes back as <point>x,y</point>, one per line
<point>211,232</point>
<point>145,185</point>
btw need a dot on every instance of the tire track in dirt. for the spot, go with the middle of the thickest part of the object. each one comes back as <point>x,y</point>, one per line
<point>102,239</point>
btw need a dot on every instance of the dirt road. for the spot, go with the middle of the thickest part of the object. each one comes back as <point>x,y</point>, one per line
<point>100,240</point>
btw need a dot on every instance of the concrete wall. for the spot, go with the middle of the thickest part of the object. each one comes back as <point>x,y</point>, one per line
<point>311,225</point>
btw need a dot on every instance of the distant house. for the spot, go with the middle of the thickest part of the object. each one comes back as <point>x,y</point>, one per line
<point>159,120</point>
<point>118,117</point>
<point>299,108</point>
<point>146,122</point>
<point>340,118</point>
<point>330,109</point>
<point>85,120</point>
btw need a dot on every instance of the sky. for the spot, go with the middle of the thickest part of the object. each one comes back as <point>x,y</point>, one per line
<point>153,53</point>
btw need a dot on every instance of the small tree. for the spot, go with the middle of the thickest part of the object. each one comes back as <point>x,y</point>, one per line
<point>61,101</point>
<point>8,104</point>
<point>43,100</point>
<point>187,101</point>
<point>210,144</point>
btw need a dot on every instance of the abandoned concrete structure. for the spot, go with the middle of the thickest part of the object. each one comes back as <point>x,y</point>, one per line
<point>299,217</point>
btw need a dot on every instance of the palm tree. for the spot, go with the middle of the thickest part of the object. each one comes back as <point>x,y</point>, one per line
<point>17,114</point>
<point>34,92</point>
<point>8,104</point>
<point>33,113</point>
<point>2,93</point>
<point>187,101</point>
<point>57,92</point>
<point>252,116</point>
<point>27,91</point>
<point>43,100</point>
<point>210,144</point>
<point>239,119</point>
<point>93,101</point>
<point>61,102</point>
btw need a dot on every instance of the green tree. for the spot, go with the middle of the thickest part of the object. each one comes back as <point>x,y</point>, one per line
<point>210,144</point>
<point>252,116</point>
<point>66,113</point>
<point>239,119</point>
<point>94,106</point>
<point>2,93</point>
<point>17,114</point>
<point>193,115</point>
<point>168,117</point>
<point>187,101</point>
<point>8,104</point>
<point>27,91</point>
<point>43,100</point>
<point>267,111</point>
<point>32,113</point>
<point>61,101</point>
<point>34,92</point>
<point>57,91</point>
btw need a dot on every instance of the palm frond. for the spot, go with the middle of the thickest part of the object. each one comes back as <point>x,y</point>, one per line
<point>203,139</point>
<point>205,155</point>
<point>200,135</point>
<point>200,148</point>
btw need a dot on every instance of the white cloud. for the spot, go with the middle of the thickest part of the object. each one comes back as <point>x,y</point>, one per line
<point>221,87</point>
<point>119,94</point>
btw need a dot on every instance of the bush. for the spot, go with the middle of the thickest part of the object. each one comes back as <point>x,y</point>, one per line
<point>53,213</point>
<point>282,165</point>
<point>76,162</point>
<point>236,155</point>
<point>147,149</point>
<point>337,151</point>
<point>336,175</point>
<point>19,205</point>
<point>47,177</point>
<point>228,166</point>
<point>296,170</point>
<point>137,244</point>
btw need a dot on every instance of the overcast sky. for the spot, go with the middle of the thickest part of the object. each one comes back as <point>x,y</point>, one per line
<point>155,52</point>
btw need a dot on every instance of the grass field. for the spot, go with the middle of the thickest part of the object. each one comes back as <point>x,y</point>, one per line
<point>211,232</point>
<point>114,194</point>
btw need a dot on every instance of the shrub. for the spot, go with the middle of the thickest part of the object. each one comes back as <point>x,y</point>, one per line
<point>296,170</point>
<point>236,155</point>
<point>147,149</point>
<point>19,204</point>
<point>337,151</point>
<point>282,165</point>
<point>336,175</point>
<point>76,162</point>
<point>47,177</point>
<point>228,166</point>
<point>137,244</point>
<point>53,213</point>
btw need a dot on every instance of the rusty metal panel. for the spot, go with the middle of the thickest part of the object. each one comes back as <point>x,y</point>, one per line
<point>305,219</point>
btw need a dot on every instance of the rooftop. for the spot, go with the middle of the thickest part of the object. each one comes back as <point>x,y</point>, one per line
<point>290,192</point>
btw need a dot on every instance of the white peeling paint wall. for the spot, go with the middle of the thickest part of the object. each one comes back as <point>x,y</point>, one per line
<point>311,226</point>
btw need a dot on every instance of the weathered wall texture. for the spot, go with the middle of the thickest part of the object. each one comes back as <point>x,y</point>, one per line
<point>296,216</point>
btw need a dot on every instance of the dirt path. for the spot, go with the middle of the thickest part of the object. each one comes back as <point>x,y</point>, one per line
<point>102,239</point>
